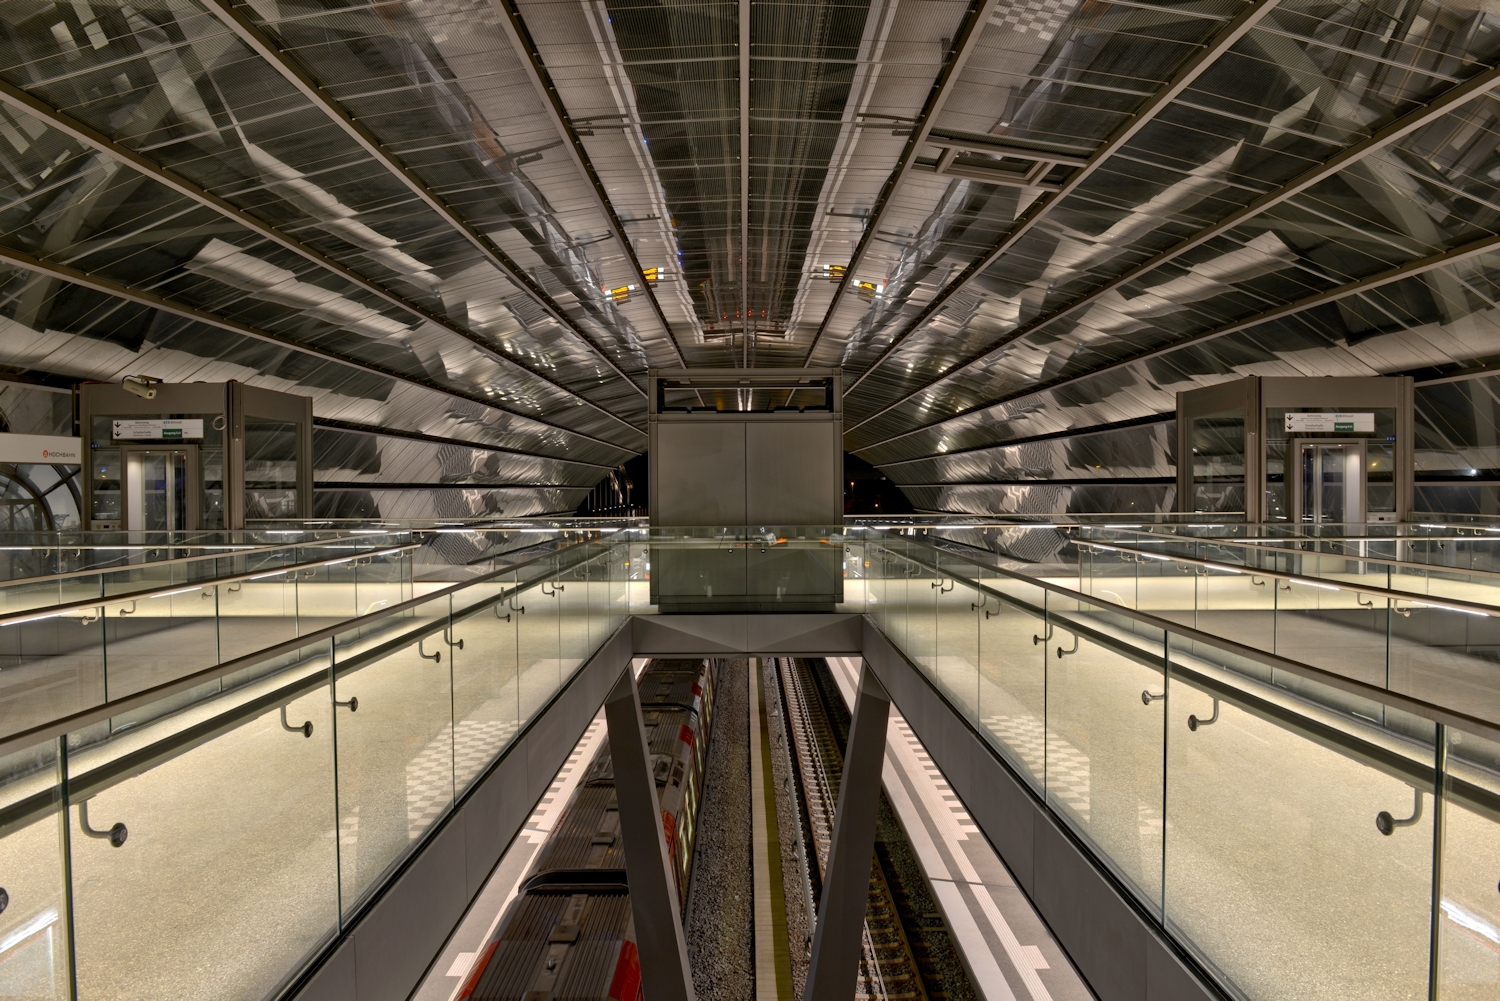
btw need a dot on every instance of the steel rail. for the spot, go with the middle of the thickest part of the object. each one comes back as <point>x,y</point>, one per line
<point>33,106</point>
<point>1471,89</point>
<point>1411,269</point>
<point>137,700</point>
<point>1263,546</point>
<point>966,40</point>
<point>141,297</point>
<point>262,45</point>
<point>541,79</point>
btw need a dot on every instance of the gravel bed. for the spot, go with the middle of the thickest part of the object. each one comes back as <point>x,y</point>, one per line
<point>720,927</point>
<point>793,875</point>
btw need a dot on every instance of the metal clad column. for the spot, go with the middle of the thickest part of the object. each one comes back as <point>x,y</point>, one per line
<point>653,900</point>
<point>834,967</point>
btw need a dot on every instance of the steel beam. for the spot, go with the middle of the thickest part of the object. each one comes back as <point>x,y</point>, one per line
<point>744,60</point>
<point>833,969</point>
<point>1411,269</point>
<point>1448,101</point>
<point>1184,78</point>
<point>141,297</point>
<point>662,947</point>
<point>21,100</point>
<point>541,80</point>
<point>947,79</point>
<point>355,427</point>
<point>259,42</point>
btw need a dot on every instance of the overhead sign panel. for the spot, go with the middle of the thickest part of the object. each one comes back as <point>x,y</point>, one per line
<point>1330,423</point>
<point>158,429</point>
<point>40,448</point>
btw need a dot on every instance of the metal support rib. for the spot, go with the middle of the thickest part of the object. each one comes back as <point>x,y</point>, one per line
<point>665,975</point>
<point>1451,99</point>
<point>268,50</point>
<point>963,47</point>
<point>536,70</point>
<point>744,12</point>
<point>98,141</point>
<point>151,299</point>
<point>1411,269</point>
<point>375,431</point>
<point>1232,32</point>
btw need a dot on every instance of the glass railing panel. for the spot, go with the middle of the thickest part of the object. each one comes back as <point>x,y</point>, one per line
<point>1336,629</point>
<point>153,640</point>
<point>486,693</point>
<point>1237,605</point>
<point>1469,915</point>
<point>1446,656</point>
<point>1012,686</point>
<point>260,611</point>
<point>1166,587</point>
<point>1277,871</point>
<point>50,668</point>
<point>572,587</point>
<point>1109,574</point>
<point>395,747</point>
<point>1104,750</point>
<point>229,857</point>
<point>955,664</point>
<point>539,640</point>
<point>34,961</point>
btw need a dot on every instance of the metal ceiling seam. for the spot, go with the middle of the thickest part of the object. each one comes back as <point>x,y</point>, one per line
<point>1450,100</point>
<point>268,50</point>
<point>355,427</point>
<point>143,298</point>
<point>541,79</point>
<point>1411,269</point>
<point>1184,78</point>
<point>964,45</point>
<point>24,101</point>
<point>1128,424</point>
<point>744,124</point>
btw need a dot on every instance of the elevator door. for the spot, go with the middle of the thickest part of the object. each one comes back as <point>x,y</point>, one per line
<point>1330,485</point>
<point>159,490</point>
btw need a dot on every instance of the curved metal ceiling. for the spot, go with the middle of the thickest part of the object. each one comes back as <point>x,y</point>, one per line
<point>478,224</point>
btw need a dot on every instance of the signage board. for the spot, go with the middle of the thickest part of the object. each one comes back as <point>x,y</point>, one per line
<point>45,448</point>
<point>1330,423</point>
<point>157,429</point>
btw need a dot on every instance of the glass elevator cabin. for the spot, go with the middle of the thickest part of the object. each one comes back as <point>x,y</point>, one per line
<point>165,457</point>
<point>1318,451</point>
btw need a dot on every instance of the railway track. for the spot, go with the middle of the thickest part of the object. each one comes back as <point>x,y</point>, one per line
<point>889,967</point>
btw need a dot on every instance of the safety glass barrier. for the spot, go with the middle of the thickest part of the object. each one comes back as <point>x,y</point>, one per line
<point>1253,806</point>
<point>129,631</point>
<point>248,827</point>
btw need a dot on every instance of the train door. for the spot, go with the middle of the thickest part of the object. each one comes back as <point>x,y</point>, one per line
<point>161,489</point>
<point>1329,485</point>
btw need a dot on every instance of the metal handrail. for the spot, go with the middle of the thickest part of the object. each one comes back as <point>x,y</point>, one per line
<point>1385,560</point>
<point>1406,703</point>
<point>145,697</point>
<point>1449,604</point>
<point>244,550</point>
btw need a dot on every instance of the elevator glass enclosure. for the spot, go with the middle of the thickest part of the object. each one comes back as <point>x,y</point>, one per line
<point>196,456</point>
<point>1316,451</point>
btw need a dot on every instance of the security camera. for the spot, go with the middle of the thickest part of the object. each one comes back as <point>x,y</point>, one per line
<point>141,385</point>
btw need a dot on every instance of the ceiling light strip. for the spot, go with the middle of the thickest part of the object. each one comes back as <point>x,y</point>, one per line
<point>30,105</point>
<point>263,46</point>
<point>969,31</point>
<point>1447,102</point>
<point>143,298</point>
<point>1411,269</point>
<point>536,70</point>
